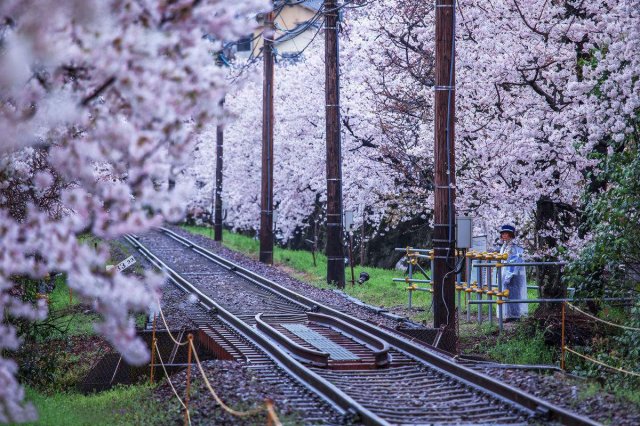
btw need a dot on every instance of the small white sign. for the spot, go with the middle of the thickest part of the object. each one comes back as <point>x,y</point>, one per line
<point>348,220</point>
<point>126,263</point>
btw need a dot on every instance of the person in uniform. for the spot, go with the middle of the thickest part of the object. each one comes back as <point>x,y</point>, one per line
<point>514,278</point>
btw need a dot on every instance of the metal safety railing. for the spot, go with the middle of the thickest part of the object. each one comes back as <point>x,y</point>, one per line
<point>478,283</point>
<point>413,256</point>
<point>465,285</point>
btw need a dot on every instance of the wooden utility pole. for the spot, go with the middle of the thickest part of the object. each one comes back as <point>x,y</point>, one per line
<point>444,208</point>
<point>335,250</point>
<point>266,212</point>
<point>362,245</point>
<point>218,201</point>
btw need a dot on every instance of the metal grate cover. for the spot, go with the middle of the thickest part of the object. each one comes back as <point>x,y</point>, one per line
<point>320,342</point>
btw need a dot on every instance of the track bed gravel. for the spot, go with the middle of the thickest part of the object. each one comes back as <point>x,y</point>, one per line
<point>234,381</point>
<point>578,395</point>
<point>324,296</point>
<point>236,385</point>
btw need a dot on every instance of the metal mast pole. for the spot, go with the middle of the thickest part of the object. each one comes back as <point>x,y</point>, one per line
<point>266,212</point>
<point>444,208</point>
<point>335,250</point>
<point>218,200</point>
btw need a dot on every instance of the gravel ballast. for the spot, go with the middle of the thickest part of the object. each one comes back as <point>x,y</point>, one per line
<point>235,385</point>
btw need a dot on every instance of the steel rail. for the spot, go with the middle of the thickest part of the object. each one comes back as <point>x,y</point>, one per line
<point>525,401</point>
<point>320,386</point>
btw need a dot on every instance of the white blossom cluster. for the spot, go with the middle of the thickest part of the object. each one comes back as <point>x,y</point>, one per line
<point>106,99</point>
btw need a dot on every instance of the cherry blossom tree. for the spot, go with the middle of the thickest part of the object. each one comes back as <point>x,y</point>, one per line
<point>100,105</point>
<point>529,113</point>
<point>540,86</point>
<point>299,150</point>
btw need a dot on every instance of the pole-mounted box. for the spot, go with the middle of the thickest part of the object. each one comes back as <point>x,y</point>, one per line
<point>464,232</point>
<point>348,220</point>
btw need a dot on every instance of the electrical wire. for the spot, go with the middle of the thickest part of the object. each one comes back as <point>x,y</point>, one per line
<point>254,57</point>
<point>298,54</point>
<point>313,22</point>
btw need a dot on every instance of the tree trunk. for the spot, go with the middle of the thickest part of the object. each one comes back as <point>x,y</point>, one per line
<point>549,277</point>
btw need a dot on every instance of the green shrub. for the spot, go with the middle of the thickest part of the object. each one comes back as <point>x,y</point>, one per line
<point>524,347</point>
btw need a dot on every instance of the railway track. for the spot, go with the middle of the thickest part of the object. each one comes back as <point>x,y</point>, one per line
<point>357,368</point>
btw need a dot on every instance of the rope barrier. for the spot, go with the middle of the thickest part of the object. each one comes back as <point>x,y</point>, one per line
<point>166,326</point>
<point>633,373</point>
<point>172,387</point>
<point>272,415</point>
<point>267,406</point>
<point>601,320</point>
<point>188,390</point>
<point>154,343</point>
<point>224,406</point>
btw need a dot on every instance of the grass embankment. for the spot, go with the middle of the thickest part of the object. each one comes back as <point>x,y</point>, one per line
<point>518,344</point>
<point>60,351</point>
<point>125,405</point>
<point>69,317</point>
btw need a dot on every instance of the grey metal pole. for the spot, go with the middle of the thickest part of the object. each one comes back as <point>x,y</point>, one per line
<point>459,297</point>
<point>489,296</point>
<point>479,295</point>
<point>488,265</point>
<point>433,286</point>
<point>422,289</point>
<point>410,278</point>
<point>499,278</point>
<point>468,293</point>
<point>411,249</point>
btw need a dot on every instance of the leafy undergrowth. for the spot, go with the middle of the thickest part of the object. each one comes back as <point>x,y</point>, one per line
<point>379,290</point>
<point>519,343</point>
<point>58,353</point>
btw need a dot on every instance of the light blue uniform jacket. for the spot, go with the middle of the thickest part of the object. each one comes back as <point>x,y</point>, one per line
<point>514,278</point>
